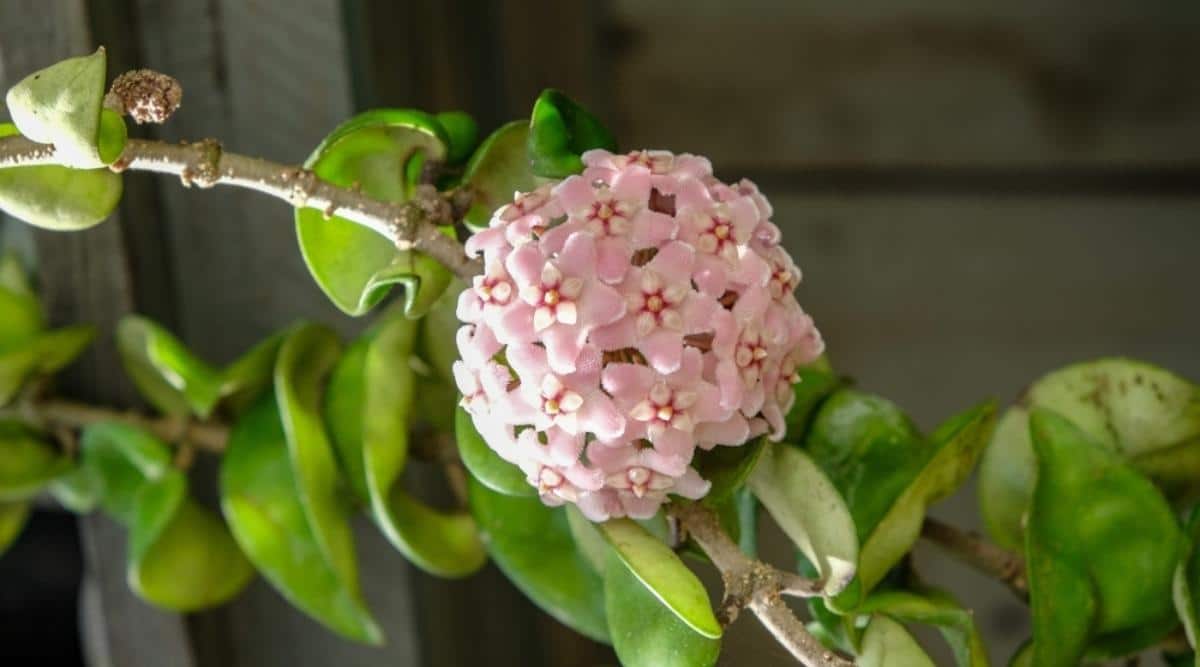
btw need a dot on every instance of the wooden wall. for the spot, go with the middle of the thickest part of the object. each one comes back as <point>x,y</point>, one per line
<point>977,192</point>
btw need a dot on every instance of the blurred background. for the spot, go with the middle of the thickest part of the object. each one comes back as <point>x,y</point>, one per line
<point>977,192</point>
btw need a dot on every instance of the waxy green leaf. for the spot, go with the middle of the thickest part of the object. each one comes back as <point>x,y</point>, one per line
<point>27,462</point>
<point>644,632</point>
<point>442,543</point>
<point>26,351</point>
<point>1185,587</point>
<point>532,544</point>
<point>559,132</point>
<point>176,382</point>
<point>499,169</point>
<point>62,105</point>
<point>887,644</point>
<point>344,402</point>
<point>20,313</point>
<point>462,135</point>
<point>888,472</point>
<point>306,357</point>
<point>1102,546</point>
<point>485,464</point>
<point>935,608</point>
<point>817,383</point>
<point>263,500</point>
<point>181,557</point>
<point>13,516</point>
<point>728,468</point>
<point>956,444</point>
<point>40,355</point>
<point>809,509</point>
<point>1144,414</point>
<point>663,574</point>
<point>356,267</point>
<point>871,451</point>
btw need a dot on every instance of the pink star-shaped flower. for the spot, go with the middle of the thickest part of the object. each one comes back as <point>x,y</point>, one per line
<point>661,308</point>
<point>561,303</point>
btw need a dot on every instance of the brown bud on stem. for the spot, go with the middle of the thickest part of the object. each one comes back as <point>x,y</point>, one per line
<point>145,95</point>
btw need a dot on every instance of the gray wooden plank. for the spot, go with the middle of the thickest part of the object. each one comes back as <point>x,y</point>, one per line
<point>85,278</point>
<point>939,301</point>
<point>782,84</point>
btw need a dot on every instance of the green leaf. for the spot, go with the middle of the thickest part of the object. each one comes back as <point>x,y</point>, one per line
<point>176,382</point>
<point>663,574</point>
<point>20,313</point>
<point>13,517</point>
<point>353,265</point>
<point>1186,582</point>
<point>871,451</point>
<point>738,514</point>
<point>1023,657</point>
<point>957,444</point>
<point>180,556</point>
<point>61,105</point>
<point>58,198</point>
<point>587,536</point>
<point>887,644</point>
<point>462,133</point>
<point>644,633</point>
<point>27,463</point>
<point>816,384</point>
<point>728,468</point>
<point>935,608</point>
<point>261,499</point>
<point>442,543</point>
<point>499,168</point>
<point>533,546</point>
<point>809,509</point>
<point>79,489</point>
<point>1102,544</point>
<point>439,328</point>
<point>485,464</point>
<point>559,132</point>
<point>1146,415</point>
<point>307,355</point>
<point>43,354</point>
<point>344,405</point>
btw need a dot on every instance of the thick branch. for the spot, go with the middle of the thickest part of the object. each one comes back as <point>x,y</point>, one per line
<point>1007,567</point>
<point>756,586</point>
<point>205,164</point>
<point>55,414</point>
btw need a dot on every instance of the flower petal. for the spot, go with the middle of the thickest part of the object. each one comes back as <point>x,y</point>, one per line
<point>563,345</point>
<point>615,336</point>
<point>515,324</point>
<point>663,350</point>
<point>627,382</point>
<point>599,416</point>
<point>733,431</point>
<point>612,259</point>
<point>599,305</point>
<point>578,256</point>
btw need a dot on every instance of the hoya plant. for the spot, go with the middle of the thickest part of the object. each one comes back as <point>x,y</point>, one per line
<point>603,350</point>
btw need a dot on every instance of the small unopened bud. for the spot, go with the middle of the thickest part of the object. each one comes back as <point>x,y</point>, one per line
<point>145,96</point>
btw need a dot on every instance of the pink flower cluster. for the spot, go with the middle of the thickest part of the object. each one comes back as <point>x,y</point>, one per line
<point>627,316</point>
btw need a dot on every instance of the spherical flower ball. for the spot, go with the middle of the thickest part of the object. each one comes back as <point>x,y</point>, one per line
<point>625,317</point>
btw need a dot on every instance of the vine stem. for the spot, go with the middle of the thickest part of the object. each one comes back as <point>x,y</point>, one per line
<point>412,224</point>
<point>57,414</point>
<point>1006,567</point>
<point>756,586</point>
